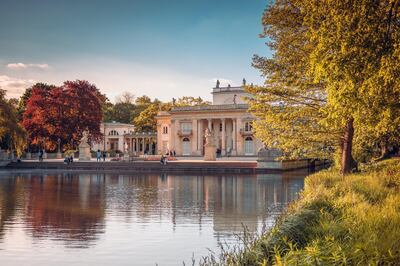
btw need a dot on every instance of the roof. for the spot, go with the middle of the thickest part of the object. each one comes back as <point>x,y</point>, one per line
<point>141,134</point>
<point>207,108</point>
<point>114,123</point>
<point>228,89</point>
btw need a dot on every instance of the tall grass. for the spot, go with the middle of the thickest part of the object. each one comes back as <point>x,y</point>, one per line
<point>351,220</point>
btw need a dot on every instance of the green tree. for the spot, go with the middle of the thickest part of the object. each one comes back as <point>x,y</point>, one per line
<point>331,60</point>
<point>22,102</point>
<point>143,101</point>
<point>191,101</point>
<point>12,134</point>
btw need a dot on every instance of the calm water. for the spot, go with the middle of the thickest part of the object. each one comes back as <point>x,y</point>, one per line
<point>107,219</point>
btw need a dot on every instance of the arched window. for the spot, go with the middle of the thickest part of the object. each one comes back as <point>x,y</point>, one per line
<point>113,133</point>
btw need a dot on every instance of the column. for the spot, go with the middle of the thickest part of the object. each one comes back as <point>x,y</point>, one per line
<point>171,137</point>
<point>176,138</point>
<point>194,137</point>
<point>137,146</point>
<point>239,142</point>
<point>234,141</point>
<point>209,124</point>
<point>200,136</point>
<point>223,138</point>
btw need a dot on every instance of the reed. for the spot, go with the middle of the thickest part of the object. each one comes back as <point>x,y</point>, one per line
<point>351,220</point>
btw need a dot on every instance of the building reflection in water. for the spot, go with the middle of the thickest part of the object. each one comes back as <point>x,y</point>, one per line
<point>75,208</point>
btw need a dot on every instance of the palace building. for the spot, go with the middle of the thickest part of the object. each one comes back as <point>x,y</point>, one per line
<point>182,129</point>
<point>123,137</point>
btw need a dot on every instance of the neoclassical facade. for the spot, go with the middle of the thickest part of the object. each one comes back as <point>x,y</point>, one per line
<point>122,137</point>
<point>182,129</point>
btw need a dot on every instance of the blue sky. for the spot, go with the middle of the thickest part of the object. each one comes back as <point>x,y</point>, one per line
<point>160,48</point>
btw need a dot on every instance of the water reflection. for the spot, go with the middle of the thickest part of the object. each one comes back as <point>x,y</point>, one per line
<point>144,212</point>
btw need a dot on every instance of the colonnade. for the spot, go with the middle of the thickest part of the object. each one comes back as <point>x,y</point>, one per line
<point>140,143</point>
<point>229,135</point>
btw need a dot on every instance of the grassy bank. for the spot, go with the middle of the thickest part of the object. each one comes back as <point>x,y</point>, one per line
<point>337,220</point>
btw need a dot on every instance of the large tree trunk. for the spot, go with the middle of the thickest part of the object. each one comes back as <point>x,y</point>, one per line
<point>347,162</point>
<point>385,152</point>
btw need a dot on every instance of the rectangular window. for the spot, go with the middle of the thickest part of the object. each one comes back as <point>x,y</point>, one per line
<point>186,127</point>
<point>165,130</point>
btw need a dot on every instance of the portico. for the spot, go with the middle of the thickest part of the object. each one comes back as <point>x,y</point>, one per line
<point>182,129</point>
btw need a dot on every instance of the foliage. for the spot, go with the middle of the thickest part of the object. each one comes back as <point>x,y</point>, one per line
<point>11,131</point>
<point>351,220</point>
<point>22,102</point>
<point>335,68</point>
<point>146,120</point>
<point>189,101</point>
<point>63,113</point>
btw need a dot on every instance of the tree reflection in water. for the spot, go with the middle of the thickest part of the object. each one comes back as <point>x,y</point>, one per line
<point>75,209</point>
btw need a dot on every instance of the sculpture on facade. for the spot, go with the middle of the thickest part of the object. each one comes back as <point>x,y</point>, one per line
<point>209,137</point>
<point>84,148</point>
<point>209,147</point>
<point>234,99</point>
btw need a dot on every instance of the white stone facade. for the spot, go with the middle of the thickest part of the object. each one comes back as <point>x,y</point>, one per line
<point>182,129</point>
<point>113,136</point>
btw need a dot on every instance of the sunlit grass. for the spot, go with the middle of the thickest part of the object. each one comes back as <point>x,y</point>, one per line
<point>337,220</point>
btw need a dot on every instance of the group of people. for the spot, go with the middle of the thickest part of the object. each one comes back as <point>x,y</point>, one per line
<point>171,153</point>
<point>164,160</point>
<point>100,154</point>
<point>68,159</point>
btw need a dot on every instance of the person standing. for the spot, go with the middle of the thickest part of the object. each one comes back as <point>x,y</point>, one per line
<point>98,155</point>
<point>104,156</point>
<point>40,155</point>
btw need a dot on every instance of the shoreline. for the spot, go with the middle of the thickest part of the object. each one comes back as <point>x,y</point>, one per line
<point>199,167</point>
<point>337,220</point>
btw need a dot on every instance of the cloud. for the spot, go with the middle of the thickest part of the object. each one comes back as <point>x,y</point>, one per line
<point>14,87</point>
<point>18,66</point>
<point>223,82</point>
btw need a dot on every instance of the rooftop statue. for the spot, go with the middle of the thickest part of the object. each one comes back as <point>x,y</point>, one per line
<point>244,82</point>
<point>217,85</point>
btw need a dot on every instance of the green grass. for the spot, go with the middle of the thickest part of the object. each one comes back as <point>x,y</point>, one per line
<point>351,220</point>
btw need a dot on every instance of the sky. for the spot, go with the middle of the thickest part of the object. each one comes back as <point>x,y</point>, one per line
<point>161,48</point>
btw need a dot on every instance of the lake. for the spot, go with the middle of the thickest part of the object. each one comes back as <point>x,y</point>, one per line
<point>49,218</point>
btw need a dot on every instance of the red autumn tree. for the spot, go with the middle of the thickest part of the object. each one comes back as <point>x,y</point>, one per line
<point>63,113</point>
